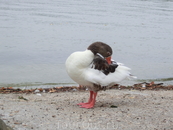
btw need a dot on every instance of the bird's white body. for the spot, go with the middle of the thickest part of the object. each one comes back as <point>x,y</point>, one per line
<point>78,66</point>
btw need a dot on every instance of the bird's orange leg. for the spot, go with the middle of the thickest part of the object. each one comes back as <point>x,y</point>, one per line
<point>90,99</point>
<point>92,102</point>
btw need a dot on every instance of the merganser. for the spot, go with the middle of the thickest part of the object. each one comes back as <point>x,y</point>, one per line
<point>95,69</point>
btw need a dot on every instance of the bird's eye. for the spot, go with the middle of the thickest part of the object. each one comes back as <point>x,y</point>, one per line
<point>109,53</point>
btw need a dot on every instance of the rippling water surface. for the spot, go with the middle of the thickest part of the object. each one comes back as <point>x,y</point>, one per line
<point>36,37</point>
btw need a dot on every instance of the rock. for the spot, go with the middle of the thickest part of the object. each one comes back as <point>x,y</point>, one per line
<point>36,91</point>
<point>3,126</point>
<point>38,94</point>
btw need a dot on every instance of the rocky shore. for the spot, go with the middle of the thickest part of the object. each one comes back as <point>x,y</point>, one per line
<point>116,109</point>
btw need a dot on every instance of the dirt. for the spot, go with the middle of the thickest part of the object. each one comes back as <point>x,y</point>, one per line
<point>124,109</point>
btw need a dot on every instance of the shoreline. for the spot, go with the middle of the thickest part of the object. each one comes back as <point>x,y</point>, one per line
<point>135,109</point>
<point>34,85</point>
<point>139,86</point>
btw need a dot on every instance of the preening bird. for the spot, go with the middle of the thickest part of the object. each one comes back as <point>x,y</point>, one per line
<point>95,69</point>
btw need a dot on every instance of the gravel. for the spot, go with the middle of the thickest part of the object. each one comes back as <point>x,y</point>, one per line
<point>132,110</point>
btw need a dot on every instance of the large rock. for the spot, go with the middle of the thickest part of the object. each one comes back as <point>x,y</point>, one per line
<point>3,126</point>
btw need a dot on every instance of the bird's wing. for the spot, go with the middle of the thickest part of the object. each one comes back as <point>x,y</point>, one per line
<point>99,63</point>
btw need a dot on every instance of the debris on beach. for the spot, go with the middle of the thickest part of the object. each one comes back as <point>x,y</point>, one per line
<point>113,106</point>
<point>21,97</point>
<point>139,86</point>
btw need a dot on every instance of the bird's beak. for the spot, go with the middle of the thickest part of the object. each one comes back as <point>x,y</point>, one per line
<point>108,59</point>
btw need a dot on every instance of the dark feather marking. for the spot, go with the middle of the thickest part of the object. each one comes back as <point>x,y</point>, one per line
<point>101,64</point>
<point>99,87</point>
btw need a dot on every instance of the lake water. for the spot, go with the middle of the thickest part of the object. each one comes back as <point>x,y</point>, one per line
<point>36,37</point>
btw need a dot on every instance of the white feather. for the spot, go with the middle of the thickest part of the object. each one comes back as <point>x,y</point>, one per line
<point>78,68</point>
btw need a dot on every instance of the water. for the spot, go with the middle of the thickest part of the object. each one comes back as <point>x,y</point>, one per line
<point>36,37</point>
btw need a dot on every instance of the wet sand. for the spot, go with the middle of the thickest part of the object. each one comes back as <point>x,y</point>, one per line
<point>148,109</point>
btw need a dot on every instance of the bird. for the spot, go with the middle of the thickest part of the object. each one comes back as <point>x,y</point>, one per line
<point>95,69</point>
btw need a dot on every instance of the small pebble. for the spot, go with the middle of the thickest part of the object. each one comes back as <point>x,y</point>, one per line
<point>143,85</point>
<point>38,94</point>
<point>36,91</point>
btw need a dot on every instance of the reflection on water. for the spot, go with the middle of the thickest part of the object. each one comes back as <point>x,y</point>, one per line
<point>37,36</point>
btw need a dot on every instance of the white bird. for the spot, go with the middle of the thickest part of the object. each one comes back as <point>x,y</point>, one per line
<point>95,69</point>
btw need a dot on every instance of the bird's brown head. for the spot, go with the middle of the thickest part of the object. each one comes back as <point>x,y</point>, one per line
<point>101,48</point>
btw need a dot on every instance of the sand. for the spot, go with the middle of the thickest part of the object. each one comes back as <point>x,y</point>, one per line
<point>136,110</point>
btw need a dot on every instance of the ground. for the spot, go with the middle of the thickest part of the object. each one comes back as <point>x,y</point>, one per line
<point>114,109</point>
